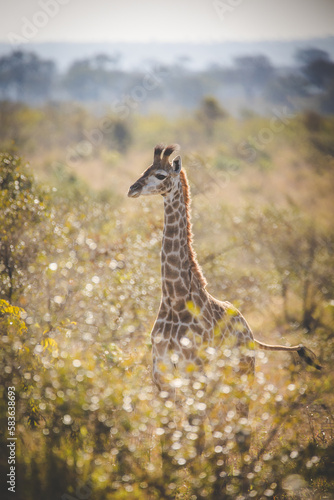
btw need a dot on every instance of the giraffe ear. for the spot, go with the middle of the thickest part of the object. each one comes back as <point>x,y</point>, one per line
<point>177,164</point>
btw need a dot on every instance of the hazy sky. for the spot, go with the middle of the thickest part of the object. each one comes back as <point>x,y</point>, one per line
<point>164,20</point>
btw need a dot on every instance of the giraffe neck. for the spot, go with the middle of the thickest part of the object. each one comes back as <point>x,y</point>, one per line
<point>179,266</point>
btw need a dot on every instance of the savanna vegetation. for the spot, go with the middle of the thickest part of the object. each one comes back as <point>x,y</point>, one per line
<point>80,287</point>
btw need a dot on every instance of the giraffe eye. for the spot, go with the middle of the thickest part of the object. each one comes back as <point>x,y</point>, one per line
<point>161,177</point>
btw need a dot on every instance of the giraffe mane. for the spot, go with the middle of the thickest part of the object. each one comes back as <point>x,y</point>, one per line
<point>192,254</point>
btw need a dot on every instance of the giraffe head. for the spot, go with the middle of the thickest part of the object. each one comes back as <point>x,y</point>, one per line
<point>160,177</point>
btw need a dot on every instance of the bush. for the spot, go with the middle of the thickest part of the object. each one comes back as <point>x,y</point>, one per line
<point>84,268</point>
<point>22,210</point>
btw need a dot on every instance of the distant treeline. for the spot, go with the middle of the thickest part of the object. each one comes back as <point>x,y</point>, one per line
<point>251,83</point>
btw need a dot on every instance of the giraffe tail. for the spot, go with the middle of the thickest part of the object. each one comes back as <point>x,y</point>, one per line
<point>304,352</point>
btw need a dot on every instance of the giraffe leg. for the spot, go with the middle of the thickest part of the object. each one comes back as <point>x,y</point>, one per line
<point>167,419</point>
<point>222,443</point>
<point>231,445</point>
<point>230,423</point>
<point>243,428</point>
<point>196,417</point>
<point>197,422</point>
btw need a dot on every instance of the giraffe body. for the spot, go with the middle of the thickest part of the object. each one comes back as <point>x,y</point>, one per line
<point>190,320</point>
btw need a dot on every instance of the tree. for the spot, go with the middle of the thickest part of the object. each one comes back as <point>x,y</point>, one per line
<point>316,66</point>
<point>253,72</point>
<point>327,100</point>
<point>92,78</point>
<point>287,89</point>
<point>301,255</point>
<point>307,56</point>
<point>26,77</point>
<point>21,211</point>
<point>209,112</point>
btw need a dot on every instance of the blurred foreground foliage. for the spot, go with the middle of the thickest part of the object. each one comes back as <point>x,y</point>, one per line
<point>80,286</point>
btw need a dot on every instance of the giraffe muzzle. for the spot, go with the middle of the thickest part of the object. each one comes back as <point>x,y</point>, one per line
<point>134,190</point>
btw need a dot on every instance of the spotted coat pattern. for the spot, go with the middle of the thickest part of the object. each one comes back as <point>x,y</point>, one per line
<point>190,322</point>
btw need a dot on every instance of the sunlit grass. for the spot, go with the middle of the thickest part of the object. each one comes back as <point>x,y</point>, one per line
<point>89,420</point>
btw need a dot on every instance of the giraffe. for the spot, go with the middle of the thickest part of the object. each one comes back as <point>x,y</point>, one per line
<point>193,329</point>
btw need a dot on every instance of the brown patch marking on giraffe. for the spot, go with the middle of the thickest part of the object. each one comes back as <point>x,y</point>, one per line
<point>168,210</point>
<point>173,260</point>
<point>172,273</point>
<point>176,245</point>
<point>171,219</point>
<point>168,287</point>
<point>192,255</point>
<point>180,288</point>
<point>168,245</point>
